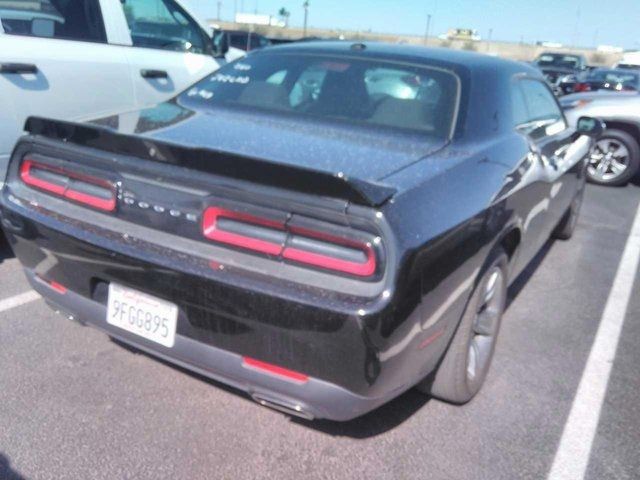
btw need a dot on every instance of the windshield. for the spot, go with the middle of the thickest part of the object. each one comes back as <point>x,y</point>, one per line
<point>367,92</point>
<point>559,61</point>
<point>614,76</point>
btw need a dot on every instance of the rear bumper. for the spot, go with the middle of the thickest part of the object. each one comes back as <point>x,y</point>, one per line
<point>313,399</point>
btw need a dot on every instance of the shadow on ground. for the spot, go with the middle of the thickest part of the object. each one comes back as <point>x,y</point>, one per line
<point>6,472</point>
<point>5,249</point>
<point>520,282</point>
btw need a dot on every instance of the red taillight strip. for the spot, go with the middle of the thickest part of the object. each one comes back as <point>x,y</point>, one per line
<point>64,190</point>
<point>212,232</point>
<point>25,175</point>
<point>365,269</point>
<point>274,370</point>
<point>360,269</point>
<point>108,205</point>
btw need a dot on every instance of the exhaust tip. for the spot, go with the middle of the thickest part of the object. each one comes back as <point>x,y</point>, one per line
<point>289,409</point>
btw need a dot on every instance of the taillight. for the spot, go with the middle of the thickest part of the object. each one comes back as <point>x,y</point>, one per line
<point>583,87</point>
<point>88,190</point>
<point>332,253</point>
<point>352,254</point>
<point>244,231</point>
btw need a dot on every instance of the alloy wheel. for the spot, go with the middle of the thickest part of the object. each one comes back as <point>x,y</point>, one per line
<point>485,325</point>
<point>609,159</point>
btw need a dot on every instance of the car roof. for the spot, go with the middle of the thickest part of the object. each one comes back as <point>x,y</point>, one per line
<point>243,32</point>
<point>615,70</point>
<point>562,54</point>
<point>406,53</point>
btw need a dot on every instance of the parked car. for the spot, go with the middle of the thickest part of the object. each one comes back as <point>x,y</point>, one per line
<point>626,66</point>
<point>246,41</point>
<point>615,158</point>
<point>630,60</point>
<point>616,80</point>
<point>461,34</point>
<point>324,253</point>
<point>560,69</point>
<point>78,60</point>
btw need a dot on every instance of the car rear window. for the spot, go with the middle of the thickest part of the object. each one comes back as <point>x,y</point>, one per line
<point>369,92</point>
<point>559,61</point>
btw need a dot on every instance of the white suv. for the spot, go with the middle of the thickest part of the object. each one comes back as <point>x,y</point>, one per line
<point>77,59</point>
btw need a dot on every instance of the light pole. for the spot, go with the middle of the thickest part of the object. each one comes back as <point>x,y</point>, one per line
<point>489,40</point>
<point>306,17</point>
<point>426,33</point>
<point>219,8</point>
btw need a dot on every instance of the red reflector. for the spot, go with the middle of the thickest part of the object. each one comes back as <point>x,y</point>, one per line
<point>63,189</point>
<point>360,269</point>
<point>431,339</point>
<point>212,231</point>
<point>274,370</point>
<point>58,287</point>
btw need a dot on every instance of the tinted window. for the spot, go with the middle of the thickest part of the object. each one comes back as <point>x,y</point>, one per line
<point>559,61</point>
<point>62,19</point>
<point>519,107</point>
<point>362,91</point>
<point>238,40</point>
<point>540,103</point>
<point>247,41</point>
<point>162,24</point>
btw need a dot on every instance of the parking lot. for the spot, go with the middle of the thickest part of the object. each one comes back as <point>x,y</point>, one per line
<point>77,405</point>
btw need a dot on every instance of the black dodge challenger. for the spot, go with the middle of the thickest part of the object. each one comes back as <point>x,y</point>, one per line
<point>321,225</point>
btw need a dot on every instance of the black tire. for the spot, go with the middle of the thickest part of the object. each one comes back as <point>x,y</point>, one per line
<point>566,227</point>
<point>452,381</point>
<point>631,144</point>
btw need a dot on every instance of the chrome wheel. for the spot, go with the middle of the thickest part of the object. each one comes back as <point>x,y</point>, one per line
<point>486,323</point>
<point>609,160</point>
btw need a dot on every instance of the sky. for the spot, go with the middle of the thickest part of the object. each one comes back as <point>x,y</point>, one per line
<point>570,22</point>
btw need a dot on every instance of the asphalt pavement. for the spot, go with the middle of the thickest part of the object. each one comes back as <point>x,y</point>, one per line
<point>75,405</point>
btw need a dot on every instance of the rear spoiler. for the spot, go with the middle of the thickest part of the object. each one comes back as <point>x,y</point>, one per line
<point>230,165</point>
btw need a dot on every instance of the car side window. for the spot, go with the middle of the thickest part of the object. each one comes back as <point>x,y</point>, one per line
<point>162,24</point>
<point>537,110</point>
<point>60,19</point>
<point>518,105</point>
<point>238,40</point>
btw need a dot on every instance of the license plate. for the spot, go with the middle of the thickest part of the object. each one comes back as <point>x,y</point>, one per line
<point>142,314</point>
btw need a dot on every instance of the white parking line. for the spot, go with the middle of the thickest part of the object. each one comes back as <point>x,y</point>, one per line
<point>18,300</point>
<point>572,457</point>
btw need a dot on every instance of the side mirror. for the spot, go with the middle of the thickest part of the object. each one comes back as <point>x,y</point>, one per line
<point>220,42</point>
<point>591,127</point>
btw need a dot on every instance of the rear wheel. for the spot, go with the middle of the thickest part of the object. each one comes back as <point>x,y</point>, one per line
<point>466,362</point>
<point>614,160</point>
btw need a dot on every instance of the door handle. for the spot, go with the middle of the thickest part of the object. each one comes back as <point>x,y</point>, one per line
<point>154,74</point>
<point>18,68</point>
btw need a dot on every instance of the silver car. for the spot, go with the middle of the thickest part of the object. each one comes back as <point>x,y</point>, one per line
<point>615,159</point>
